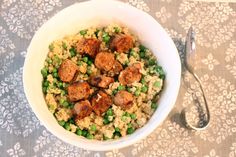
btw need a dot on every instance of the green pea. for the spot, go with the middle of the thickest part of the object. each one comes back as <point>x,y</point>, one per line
<point>44,72</point>
<point>120,87</point>
<point>89,62</point>
<point>160,71</point>
<point>79,131</point>
<point>142,54</point>
<point>89,71</point>
<point>60,85</point>
<point>67,126</point>
<point>154,105</point>
<point>65,104</point>
<point>71,106</point>
<point>61,123</point>
<point>46,84</point>
<point>106,121</point>
<point>105,37</point>
<point>133,116</point>
<point>80,63</point>
<point>117,129</point>
<point>56,59</point>
<point>54,70</point>
<point>64,46</point>
<point>84,133</point>
<point>117,29</point>
<point>72,52</point>
<point>123,118</point>
<point>117,134</point>
<point>143,81</point>
<point>72,121</point>
<point>65,85</point>
<point>129,125</point>
<point>130,130</point>
<point>93,127</point>
<point>126,114</point>
<point>105,137</point>
<point>89,136</point>
<point>96,32</point>
<point>152,62</point>
<point>55,75</point>
<point>142,48</point>
<point>114,92</point>
<point>61,101</point>
<point>144,89</point>
<point>49,60</point>
<point>157,84</point>
<point>51,47</point>
<point>86,76</point>
<point>132,53</point>
<point>85,59</point>
<point>110,112</point>
<point>45,90</point>
<point>83,32</point>
<point>129,89</point>
<point>63,92</point>
<point>137,92</point>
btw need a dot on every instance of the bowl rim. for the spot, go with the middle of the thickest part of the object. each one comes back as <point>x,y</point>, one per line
<point>113,144</point>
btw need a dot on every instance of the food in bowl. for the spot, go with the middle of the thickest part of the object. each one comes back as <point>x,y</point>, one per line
<point>101,83</point>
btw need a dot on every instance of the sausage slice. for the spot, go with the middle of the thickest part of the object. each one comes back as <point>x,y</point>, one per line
<point>122,43</point>
<point>82,109</point>
<point>104,61</point>
<point>130,74</point>
<point>123,99</point>
<point>88,46</point>
<point>101,81</point>
<point>101,102</point>
<point>78,91</point>
<point>67,70</point>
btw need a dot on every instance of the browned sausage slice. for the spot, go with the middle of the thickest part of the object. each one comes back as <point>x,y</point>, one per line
<point>82,109</point>
<point>78,91</point>
<point>104,61</point>
<point>101,102</point>
<point>123,99</point>
<point>122,43</point>
<point>67,70</point>
<point>101,81</point>
<point>131,74</point>
<point>89,46</point>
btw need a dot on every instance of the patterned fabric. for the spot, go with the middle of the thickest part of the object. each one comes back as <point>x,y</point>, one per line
<point>21,133</point>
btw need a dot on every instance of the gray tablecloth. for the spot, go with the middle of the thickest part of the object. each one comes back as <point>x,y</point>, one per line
<point>21,133</point>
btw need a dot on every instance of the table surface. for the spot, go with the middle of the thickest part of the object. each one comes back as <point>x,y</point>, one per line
<point>21,133</point>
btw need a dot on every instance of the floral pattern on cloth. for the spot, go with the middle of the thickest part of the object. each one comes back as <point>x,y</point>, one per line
<point>21,133</point>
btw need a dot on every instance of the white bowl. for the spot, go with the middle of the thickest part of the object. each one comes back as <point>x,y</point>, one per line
<point>97,13</point>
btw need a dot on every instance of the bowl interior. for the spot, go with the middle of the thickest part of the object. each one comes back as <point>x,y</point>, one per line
<point>100,13</point>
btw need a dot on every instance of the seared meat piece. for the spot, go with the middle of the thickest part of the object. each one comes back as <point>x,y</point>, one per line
<point>131,74</point>
<point>67,70</point>
<point>82,109</point>
<point>78,91</point>
<point>122,43</point>
<point>88,46</point>
<point>104,61</point>
<point>101,102</point>
<point>123,99</point>
<point>101,81</point>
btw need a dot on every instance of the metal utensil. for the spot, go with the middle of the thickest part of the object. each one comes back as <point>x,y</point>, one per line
<point>190,50</point>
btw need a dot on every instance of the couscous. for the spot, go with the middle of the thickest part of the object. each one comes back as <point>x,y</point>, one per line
<point>101,83</point>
